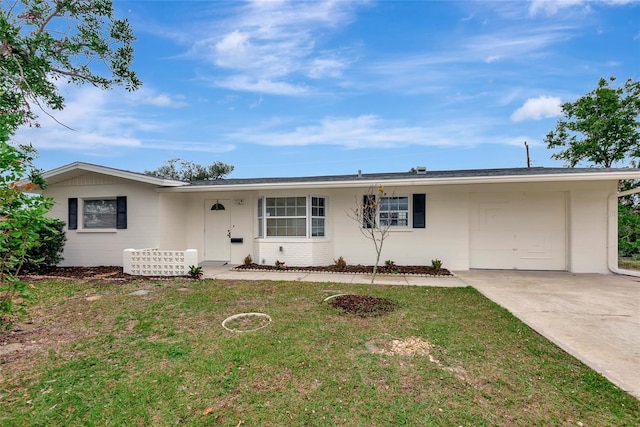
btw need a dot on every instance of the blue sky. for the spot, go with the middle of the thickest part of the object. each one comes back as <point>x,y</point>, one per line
<point>298,88</point>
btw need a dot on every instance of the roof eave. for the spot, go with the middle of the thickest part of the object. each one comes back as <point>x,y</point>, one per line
<point>131,176</point>
<point>364,183</point>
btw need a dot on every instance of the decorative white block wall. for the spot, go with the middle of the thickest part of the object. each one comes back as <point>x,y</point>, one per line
<point>154,262</point>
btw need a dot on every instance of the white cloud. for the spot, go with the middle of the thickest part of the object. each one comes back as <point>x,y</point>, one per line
<point>551,7</point>
<point>371,131</point>
<point>145,96</point>
<point>93,120</point>
<point>265,86</point>
<point>271,41</point>
<point>538,108</point>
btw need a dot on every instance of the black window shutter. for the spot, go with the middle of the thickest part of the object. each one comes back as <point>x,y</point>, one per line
<point>72,224</point>
<point>121,212</point>
<point>368,211</point>
<point>419,210</point>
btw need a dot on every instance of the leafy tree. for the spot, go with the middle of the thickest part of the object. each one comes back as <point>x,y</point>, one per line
<point>601,127</point>
<point>43,41</point>
<point>185,170</point>
<point>628,231</point>
<point>21,217</point>
<point>365,213</point>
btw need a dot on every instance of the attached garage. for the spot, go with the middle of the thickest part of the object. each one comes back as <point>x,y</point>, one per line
<point>520,231</point>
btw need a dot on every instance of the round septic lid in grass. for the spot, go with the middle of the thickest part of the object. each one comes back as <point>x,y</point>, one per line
<point>246,322</point>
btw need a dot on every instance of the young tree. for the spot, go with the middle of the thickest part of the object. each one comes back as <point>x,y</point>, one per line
<point>601,127</point>
<point>185,170</point>
<point>43,41</point>
<point>366,213</point>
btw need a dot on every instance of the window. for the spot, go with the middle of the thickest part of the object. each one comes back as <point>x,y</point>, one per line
<point>291,217</point>
<point>106,213</point>
<point>99,213</point>
<point>394,211</point>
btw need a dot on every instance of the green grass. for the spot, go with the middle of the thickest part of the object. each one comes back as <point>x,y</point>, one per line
<point>629,263</point>
<point>164,359</point>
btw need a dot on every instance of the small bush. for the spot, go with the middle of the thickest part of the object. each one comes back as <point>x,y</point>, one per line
<point>340,263</point>
<point>389,263</point>
<point>48,253</point>
<point>436,264</point>
<point>281,265</point>
<point>248,260</point>
<point>195,272</point>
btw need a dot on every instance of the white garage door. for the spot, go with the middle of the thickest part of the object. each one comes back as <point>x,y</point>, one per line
<point>523,231</point>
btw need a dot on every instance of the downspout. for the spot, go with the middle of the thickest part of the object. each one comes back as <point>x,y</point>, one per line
<point>612,235</point>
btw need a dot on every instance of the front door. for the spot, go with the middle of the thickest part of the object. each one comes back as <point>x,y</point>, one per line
<point>217,246</point>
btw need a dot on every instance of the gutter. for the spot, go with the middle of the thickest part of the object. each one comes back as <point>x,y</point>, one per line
<point>354,183</point>
<point>613,236</point>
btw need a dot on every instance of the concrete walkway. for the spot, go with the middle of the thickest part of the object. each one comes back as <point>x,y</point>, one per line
<point>225,272</point>
<point>595,318</point>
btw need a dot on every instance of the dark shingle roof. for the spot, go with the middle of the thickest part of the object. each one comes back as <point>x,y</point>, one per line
<point>469,173</point>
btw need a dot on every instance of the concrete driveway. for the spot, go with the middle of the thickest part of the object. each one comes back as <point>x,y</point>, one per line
<point>594,317</point>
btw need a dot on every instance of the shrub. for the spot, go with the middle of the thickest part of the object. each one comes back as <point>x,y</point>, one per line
<point>48,253</point>
<point>436,264</point>
<point>280,265</point>
<point>248,260</point>
<point>195,272</point>
<point>389,263</point>
<point>340,263</point>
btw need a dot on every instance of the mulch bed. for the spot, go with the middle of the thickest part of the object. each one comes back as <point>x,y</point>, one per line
<point>362,305</point>
<point>420,270</point>
<point>104,272</point>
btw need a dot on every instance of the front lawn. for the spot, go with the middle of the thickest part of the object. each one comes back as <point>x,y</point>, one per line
<point>94,354</point>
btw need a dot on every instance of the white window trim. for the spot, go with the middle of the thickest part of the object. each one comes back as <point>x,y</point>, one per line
<point>409,211</point>
<point>308,219</point>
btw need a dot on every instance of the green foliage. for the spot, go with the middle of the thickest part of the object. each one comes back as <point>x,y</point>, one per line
<point>436,264</point>
<point>195,272</point>
<point>43,41</point>
<point>340,263</point>
<point>601,127</point>
<point>48,253</point>
<point>628,231</point>
<point>21,219</point>
<point>281,265</point>
<point>184,170</point>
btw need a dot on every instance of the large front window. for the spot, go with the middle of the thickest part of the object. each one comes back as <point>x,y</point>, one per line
<point>291,217</point>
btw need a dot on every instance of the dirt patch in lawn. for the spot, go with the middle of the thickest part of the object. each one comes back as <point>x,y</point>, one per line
<point>362,305</point>
<point>83,273</point>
